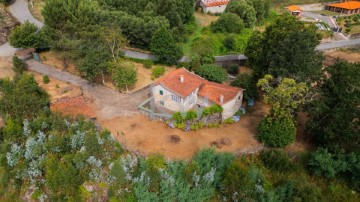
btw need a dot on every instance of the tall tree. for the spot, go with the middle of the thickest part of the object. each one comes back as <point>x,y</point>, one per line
<point>124,75</point>
<point>286,49</point>
<point>243,9</point>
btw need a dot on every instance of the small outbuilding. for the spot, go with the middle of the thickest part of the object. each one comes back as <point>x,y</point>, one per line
<point>295,10</point>
<point>348,7</point>
<point>213,6</point>
<point>25,54</point>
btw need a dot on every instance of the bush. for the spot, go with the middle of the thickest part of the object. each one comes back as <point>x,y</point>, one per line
<point>46,79</point>
<point>277,132</point>
<point>233,69</point>
<point>324,163</point>
<point>230,42</point>
<point>277,160</point>
<point>212,72</point>
<point>157,71</point>
<point>247,82</point>
<point>228,23</point>
<point>212,110</point>
<point>191,115</point>
<point>177,117</point>
<point>28,35</point>
<point>148,64</point>
<point>18,65</point>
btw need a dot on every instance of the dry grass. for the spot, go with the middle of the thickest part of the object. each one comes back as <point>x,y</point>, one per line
<point>6,68</point>
<point>35,7</point>
<point>7,23</point>
<point>203,19</point>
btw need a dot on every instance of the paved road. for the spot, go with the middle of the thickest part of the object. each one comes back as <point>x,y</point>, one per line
<point>20,10</point>
<point>338,44</point>
<point>322,18</point>
<point>109,103</point>
<point>6,50</point>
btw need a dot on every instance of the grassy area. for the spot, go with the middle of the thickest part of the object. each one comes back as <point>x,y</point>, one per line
<point>187,46</point>
<point>282,3</point>
<point>326,12</point>
<point>350,24</point>
<point>35,7</point>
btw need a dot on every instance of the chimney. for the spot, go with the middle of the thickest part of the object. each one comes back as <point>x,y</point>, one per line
<point>221,99</point>
<point>182,78</point>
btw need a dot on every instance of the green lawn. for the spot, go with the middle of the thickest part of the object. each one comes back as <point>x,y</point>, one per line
<point>186,47</point>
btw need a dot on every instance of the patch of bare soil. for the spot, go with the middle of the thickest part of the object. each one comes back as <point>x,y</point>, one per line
<point>349,56</point>
<point>7,23</point>
<point>141,135</point>
<point>6,67</point>
<point>35,7</point>
<point>204,19</point>
<point>53,59</point>
<point>58,89</point>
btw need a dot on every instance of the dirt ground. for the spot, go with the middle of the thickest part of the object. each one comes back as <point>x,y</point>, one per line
<point>35,7</point>
<point>57,89</point>
<point>141,135</point>
<point>346,54</point>
<point>6,67</point>
<point>204,19</point>
<point>7,23</point>
<point>52,58</point>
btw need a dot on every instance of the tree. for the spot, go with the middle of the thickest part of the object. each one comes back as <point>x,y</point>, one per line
<point>18,65</point>
<point>204,47</point>
<point>246,82</point>
<point>286,97</point>
<point>334,112</point>
<point>212,72</point>
<point>22,98</point>
<point>28,35</point>
<point>124,75</point>
<point>277,131</point>
<point>228,23</point>
<point>243,9</point>
<point>164,47</point>
<point>114,42</point>
<point>278,52</point>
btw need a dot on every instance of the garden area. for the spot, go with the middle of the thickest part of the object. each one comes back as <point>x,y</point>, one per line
<point>350,24</point>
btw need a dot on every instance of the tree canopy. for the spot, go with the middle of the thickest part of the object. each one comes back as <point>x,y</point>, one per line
<point>228,23</point>
<point>28,35</point>
<point>212,72</point>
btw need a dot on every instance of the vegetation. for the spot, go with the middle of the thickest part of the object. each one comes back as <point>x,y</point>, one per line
<point>46,79</point>
<point>212,72</point>
<point>157,71</point>
<point>124,75</point>
<point>228,23</point>
<point>278,52</point>
<point>28,35</point>
<point>246,81</point>
<point>18,65</point>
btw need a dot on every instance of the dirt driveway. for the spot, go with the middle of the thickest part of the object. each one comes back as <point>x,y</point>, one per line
<point>143,136</point>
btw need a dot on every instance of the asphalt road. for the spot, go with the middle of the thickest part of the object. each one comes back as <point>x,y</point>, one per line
<point>20,10</point>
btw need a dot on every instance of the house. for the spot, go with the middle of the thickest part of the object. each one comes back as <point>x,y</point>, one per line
<point>181,90</point>
<point>213,6</point>
<point>348,7</point>
<point>73,106</point>
<point>295,10</point>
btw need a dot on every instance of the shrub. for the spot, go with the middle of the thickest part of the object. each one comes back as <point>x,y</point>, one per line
<point>148,64</point>
<point>228,23</point>
<point>212,72</point>
<point>212,110</point>
<point>191,115</point>
<point>229,120</point>
<point>277,160</point>
<point>230,42</point>
<point>277,132</point>
<point>157,71</point>
<point>18,65</point>
<point>233,69</point>
<point>247,82</point>
<point>177,117</point>
<point>27,35</point>
<point>324,163</point>
<point>46,79</point>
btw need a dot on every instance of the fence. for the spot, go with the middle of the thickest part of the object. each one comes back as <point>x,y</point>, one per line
<point>151,112</point>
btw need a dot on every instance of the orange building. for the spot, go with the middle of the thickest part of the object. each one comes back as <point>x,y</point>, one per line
<point>348,7</point>
<point>295,10</point>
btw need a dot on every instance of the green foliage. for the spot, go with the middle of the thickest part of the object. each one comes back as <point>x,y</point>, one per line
<point>212,72</point>
<point>212,110</point>
<point>233,69</point>
<point>157,71</point>
<point>22,98</point>
<point>277,161</point>
<point>148,64</point>
<point>178,117</point>
<point>46,79</point>
<point>190,115</point>
<point>323,163</point>
<point>244,9</point>
<point>124,75</point>
<point>229,120</point>
<point>164,47</point>
<point>28,35</point>
<point>230,42</point>
<point>277,51</point>
<point>18,65</point>
<point>246,81</point>
<point>228,23</point>
<point>277,132</point>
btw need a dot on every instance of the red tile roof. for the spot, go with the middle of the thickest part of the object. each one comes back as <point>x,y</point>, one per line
<point>211,90</point>
<point>212,3</point>
<point>73,106</point>
<point>350,5</point>
<point>294,8</point>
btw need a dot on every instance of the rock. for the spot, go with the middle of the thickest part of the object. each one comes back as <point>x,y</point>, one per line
<point>174,139</point>
<point>219,143</point>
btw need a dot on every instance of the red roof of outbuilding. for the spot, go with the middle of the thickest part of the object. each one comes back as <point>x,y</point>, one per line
<point>213,3</point>
<point>211,90</point>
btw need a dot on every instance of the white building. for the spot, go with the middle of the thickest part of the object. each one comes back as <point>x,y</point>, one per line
<point>213,6</point>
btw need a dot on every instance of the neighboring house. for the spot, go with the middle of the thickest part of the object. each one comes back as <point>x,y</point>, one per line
<point>349,7</point>
<point>213,6</point>
<point>73,106</point>
<point>295,10</point>
<point>181,90</point>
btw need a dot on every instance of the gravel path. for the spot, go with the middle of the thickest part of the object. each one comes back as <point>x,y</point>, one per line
<point>108,103</point>
<point>20,10</point>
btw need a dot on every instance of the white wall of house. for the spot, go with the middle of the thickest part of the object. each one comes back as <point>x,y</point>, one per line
<point>231,107</point>
<point>172,101</point>
<point>213,9</point>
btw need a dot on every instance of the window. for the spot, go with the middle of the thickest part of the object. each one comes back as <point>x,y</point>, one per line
<point>162,102</point>
<point>161,92</point>
<point>176,98</point>
<point>239,97</point>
